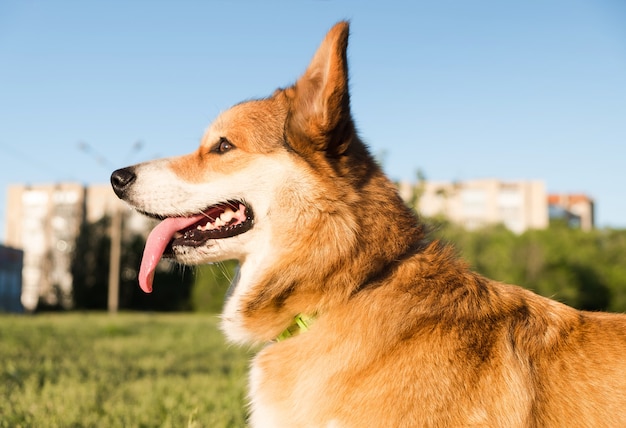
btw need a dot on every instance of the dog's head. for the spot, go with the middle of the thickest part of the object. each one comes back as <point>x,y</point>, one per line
<point>285,186</point>
<point>252,172</point>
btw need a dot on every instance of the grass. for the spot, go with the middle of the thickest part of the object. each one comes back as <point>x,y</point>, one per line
<point>126,370</point>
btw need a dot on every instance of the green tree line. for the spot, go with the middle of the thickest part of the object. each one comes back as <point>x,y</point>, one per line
<point>176,287</point>
<point>90,273</point>
<point>586,270</point>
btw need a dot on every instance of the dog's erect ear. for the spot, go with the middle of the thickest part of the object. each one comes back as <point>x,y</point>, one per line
<point>319,116</point>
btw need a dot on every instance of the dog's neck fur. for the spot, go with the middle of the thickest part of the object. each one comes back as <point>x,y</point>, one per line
<point>312,282</point>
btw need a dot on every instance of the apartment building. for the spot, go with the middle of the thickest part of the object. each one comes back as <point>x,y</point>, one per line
<point>44,221</point>
<point>576,209</point>
<point>519,205</point>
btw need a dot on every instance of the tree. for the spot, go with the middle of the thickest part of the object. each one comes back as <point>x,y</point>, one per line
<point>90,265</point>
<point>90,270</point>
<point>586,270</point>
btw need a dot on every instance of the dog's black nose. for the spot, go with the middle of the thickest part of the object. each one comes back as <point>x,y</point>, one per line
<point>121,180</point>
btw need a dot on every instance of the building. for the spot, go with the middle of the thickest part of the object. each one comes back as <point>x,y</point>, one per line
<point>11,261</point>
<point>577,210</point>
<point>519,205</point>
<point>44,220</point>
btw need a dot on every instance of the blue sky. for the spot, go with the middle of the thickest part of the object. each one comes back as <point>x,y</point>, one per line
<point>533,89</point>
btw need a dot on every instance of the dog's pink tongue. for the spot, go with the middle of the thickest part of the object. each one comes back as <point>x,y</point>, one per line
<point>155,246</point>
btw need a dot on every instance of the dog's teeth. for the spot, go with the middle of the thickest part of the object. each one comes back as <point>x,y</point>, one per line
<point>208,226</point>
<point>227,216</point>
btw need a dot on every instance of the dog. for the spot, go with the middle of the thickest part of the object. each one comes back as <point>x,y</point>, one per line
<point>364,320</point>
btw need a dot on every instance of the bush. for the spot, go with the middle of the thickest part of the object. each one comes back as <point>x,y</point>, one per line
<point>211,285</point>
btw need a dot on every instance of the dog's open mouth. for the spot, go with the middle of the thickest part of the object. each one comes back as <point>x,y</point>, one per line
<point>219,221</point>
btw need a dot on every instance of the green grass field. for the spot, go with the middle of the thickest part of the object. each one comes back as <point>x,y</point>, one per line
<point>126,370</point>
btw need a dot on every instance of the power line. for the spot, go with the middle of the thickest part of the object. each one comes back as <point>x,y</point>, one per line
<point>29,160</point>
<point>98,157</point>
<point>115,229</point>
<point>102,160</point>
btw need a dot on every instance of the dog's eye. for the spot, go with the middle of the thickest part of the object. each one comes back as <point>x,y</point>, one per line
<point>222,146</point>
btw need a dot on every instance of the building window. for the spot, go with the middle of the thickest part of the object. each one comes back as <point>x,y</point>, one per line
<point>510,208</point>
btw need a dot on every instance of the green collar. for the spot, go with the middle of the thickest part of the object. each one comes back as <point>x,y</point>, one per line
<point>300,324</point>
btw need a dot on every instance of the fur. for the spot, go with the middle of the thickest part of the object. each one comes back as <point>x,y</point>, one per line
<point>406,335</point>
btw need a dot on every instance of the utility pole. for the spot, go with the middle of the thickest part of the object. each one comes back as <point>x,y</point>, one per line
<point>114,266</point>
<point>115,230</point>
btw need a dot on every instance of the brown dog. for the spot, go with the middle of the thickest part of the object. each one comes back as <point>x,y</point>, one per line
<point>365,322</point>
